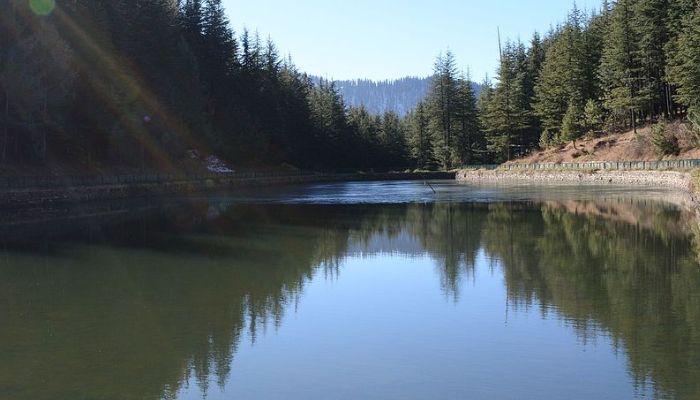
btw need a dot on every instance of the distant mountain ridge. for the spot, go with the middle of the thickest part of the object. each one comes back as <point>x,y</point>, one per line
<point>400,95</point>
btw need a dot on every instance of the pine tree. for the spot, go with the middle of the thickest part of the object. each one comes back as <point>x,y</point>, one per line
<point>592,42</point>
<point>393,139</point>
<point>247,56</point>
<point>562,84</point>
<point>507,109</point>
<point>443,106</point>
<point>468,136</point>
<point>677,22</point>
<point>621,72</point>
<point>192,22</point>
<point>271,59</point>
<point>551,93</point>
<point>534,59</point>
<point>573,124</point>
<point>485,97</point>
<point>420,141</point>
<point>329,117</point>
<point>684,67</point>
<point>297,141</point>
<point>651,36</point>
<point>593,116</point>
<point>367,130</point>
<point>221,58</point>
<point>219,41</point>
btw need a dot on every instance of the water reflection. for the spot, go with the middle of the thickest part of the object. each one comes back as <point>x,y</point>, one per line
<point>136,306</point>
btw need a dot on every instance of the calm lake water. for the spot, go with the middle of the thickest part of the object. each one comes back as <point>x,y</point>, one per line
<point>355,291</point>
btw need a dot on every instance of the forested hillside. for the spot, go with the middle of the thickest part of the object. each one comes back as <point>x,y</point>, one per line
<point>139,83</point>
<point>400,96</point>
<point>633,62</point>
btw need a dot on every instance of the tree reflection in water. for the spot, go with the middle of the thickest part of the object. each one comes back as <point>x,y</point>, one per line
<point>134,306</point>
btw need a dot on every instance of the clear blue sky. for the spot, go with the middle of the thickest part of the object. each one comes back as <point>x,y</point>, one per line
<point>386,39</point>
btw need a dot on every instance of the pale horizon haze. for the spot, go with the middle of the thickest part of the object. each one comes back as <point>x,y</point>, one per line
<point>390,39</point>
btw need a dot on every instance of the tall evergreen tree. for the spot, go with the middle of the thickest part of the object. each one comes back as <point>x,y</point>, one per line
<point>219,40</point>
<point>562,84</point>
<point>621,71</point>
<point>330,119</point>
<point>469,136</point>
<point>507,110</point>
<point>221,49</point>
<point>192,22</point>
<point>535,57</point>
<point>677,22</point>
<point>420,140</point>
<point>651,36</point>
<point>392,137</point>
<point>367,129</point>
<point>443,107</point>
<point>684,65</point>
<point>593,37</point>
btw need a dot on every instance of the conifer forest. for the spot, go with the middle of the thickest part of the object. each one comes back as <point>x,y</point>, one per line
<point>140,83</point>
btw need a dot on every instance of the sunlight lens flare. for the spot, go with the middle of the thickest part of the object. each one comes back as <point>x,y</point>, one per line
<point>42,7</point>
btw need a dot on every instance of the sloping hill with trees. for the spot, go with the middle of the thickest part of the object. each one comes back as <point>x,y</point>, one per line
<point>629,64</point>
<point>137,84</point>
<point>140,84</point>
<point>399,96</point>
<point>378,97</point>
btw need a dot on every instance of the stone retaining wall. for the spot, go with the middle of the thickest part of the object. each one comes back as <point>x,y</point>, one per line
<point>678,180</point>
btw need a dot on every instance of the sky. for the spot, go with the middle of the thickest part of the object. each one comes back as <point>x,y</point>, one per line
<point>390,39</point>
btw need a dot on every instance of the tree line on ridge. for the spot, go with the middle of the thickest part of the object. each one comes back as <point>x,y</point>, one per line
<point>139,83</point>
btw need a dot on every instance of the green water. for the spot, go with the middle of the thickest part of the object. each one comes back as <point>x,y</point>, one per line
<point>354,291</point>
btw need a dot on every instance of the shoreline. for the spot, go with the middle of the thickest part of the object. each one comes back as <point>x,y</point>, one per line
<point>38,196</point>
<point>682,182</point>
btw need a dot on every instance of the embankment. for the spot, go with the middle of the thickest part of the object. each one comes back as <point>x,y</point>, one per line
<point>682,181</point>
<point>45,191</point>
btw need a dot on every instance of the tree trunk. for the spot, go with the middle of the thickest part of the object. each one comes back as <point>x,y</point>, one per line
<point>634,122</point>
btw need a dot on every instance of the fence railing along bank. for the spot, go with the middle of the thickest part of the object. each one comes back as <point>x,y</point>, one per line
<point>50,182</point>
<point>596,165</point>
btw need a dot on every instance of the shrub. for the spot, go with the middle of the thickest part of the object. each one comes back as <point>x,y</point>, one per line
<point>666,144</point>
<point>694,118</point>
<point>546,140</point>
<point>571,126</point>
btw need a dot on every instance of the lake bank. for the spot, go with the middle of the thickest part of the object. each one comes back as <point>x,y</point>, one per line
<point>683,182</point>
<point>57,190</point>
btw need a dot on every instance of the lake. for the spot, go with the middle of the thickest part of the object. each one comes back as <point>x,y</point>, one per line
<point>374,290</point>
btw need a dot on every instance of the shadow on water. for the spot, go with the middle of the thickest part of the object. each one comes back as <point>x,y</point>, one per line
<point>127,305</point>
